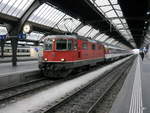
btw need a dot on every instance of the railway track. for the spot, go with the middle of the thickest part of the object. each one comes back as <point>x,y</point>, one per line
<point>15,92</point>
<point>12,92</point>
<point>85,99</point>
<point>12,95</point>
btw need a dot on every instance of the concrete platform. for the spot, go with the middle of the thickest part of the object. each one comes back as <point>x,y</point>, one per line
<point>8,59</point>
<point>145,71</point>
<point>122,103</point>
<point>134,95</point>
<point>11,76</point>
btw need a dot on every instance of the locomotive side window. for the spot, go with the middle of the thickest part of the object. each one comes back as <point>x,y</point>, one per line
<point>93,46</point>
<point>84,46</point>
<point>69,44</point>
<point>48,45</point>
<point>61,44</point>
<point>100,47</point>
<point>75,44</point>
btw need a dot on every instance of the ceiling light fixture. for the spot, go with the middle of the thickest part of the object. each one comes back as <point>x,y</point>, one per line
<point>148,13</point>
<point>146,22</point>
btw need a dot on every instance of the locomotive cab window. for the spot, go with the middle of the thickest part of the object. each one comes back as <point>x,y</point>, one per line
<point>63,44</point>
<point>48,44</point>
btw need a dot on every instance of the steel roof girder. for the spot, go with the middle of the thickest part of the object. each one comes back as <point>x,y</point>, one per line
<point>96,35</point>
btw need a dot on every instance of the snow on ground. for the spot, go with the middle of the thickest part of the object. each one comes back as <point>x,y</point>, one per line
<point>37,101</point>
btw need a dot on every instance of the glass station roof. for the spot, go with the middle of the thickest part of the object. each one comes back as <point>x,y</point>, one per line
<point>84,30</point>
<point>50,16</point>
<point>14,7</point>
<point>102,37</point>
<point>92,33</point>
<point>35,36</point>
<point>109,40</point>
<point>54,18</point>
<point>112,11</point>
<point>115,42</point>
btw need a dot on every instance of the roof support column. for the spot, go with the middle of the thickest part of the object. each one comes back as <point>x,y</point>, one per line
<point>18,29</point>
<point>14,44</point>
<point>2,43</point>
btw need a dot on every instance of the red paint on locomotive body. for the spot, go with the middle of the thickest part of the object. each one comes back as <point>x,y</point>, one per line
<point>63,53</point>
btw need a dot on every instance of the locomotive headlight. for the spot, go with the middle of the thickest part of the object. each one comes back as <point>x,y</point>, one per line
<point>45,59</point>
<point>62,59</point>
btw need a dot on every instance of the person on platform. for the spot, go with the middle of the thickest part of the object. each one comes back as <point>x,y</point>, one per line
<point>142,55</point>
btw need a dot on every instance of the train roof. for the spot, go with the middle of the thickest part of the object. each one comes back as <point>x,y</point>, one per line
<point>60,36</point>
<point>71,36</point>
<point>82,38</point>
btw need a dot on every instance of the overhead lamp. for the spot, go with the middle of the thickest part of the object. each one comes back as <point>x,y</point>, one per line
<point>148,13</point>
<point>146,22</point>
<point>26,28</point>
<point>144,27</point>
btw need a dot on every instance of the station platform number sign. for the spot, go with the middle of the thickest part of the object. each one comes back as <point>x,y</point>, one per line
<point>2,37</point>
<point>22,36</point>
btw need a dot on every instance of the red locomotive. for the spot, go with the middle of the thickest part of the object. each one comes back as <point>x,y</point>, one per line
<point>63,53</point>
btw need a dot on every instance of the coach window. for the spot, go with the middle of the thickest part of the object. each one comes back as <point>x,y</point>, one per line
<point>93,46</point>
<point>61,44</point>
<point>48,44</point>
<point>28,51</point>
<point>7,50</point>
<point>22,50</point>
<point>84,46</point>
